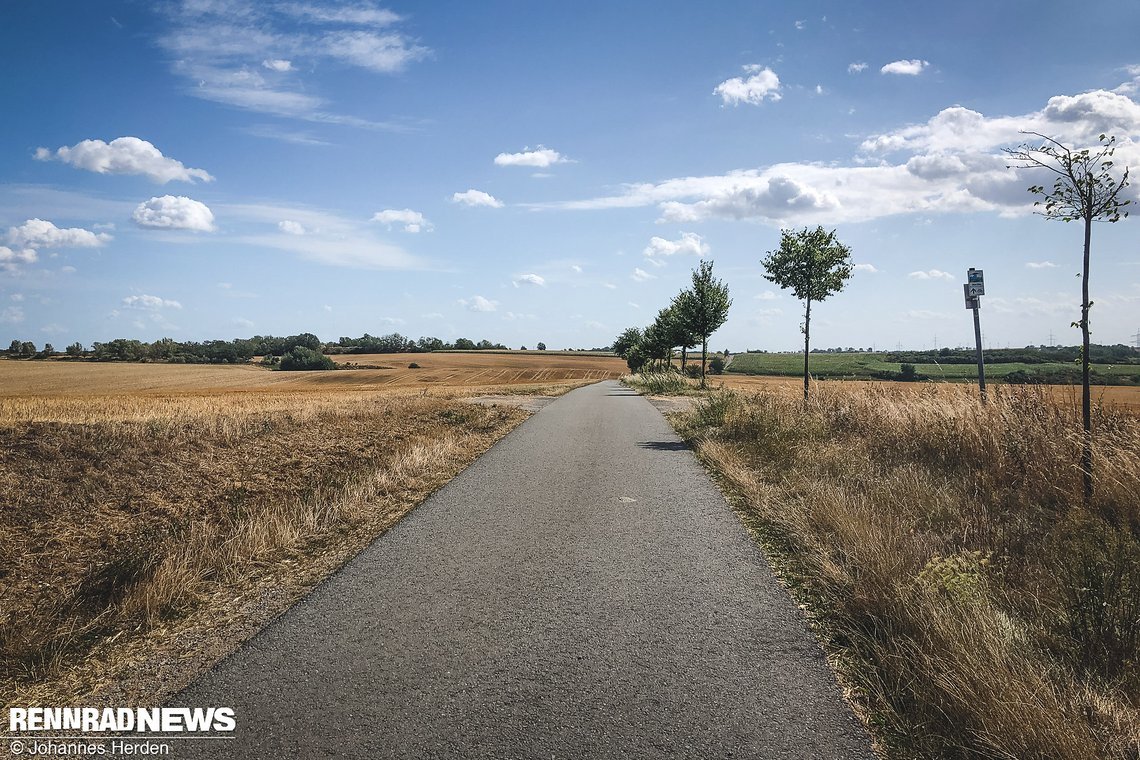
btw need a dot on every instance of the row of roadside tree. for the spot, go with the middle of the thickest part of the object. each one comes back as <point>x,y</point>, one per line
<point>690,318</point>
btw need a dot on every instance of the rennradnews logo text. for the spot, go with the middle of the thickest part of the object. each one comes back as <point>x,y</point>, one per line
<point>121,719</point>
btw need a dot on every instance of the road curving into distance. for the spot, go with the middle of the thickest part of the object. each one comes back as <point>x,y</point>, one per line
<point>581,591</point>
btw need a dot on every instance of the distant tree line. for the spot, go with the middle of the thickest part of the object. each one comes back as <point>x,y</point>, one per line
<point>241,350</point>
<point>399,344</point>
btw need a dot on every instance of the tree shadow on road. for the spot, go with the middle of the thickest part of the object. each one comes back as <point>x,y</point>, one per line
<point>663,445</point>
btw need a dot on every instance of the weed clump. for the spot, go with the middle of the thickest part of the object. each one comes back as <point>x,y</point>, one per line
<point>660,383</point>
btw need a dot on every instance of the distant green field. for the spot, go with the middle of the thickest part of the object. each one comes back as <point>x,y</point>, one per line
<point>865,365</point>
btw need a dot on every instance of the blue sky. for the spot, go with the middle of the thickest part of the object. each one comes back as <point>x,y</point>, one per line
<point>529,172</point>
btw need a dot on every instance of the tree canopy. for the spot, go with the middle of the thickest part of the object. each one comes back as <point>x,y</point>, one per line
<point>703,308</point>
<point>813,264</point>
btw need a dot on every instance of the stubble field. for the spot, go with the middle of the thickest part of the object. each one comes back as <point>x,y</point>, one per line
<point>156,515</point>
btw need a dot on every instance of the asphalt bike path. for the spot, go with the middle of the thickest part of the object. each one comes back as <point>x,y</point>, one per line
<point>581,591</point>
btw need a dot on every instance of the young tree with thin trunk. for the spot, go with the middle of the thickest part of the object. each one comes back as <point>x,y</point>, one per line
<point>682,335</point>
<point>703,308</point>
<point>814,265</point>
<point>1084,189</point>
<point>660,337</point>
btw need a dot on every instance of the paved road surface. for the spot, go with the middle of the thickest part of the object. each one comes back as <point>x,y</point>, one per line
<point>581,591</point>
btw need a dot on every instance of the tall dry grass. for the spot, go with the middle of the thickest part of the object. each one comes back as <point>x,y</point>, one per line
<point>981,610</point>
<point>125,514</point>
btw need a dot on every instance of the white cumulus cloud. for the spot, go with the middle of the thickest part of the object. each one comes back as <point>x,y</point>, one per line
<point>150,303</point>
<point>856,68</point>
<point>124,155</point>
<point>477,198</point>
<point>640,275</point>
<point>951,163</point>
<point>775,198</point>
<point>912,67</point>
<point>413,221</point>
<point>865,268</point>
<point>932,274</point>
<point>10,260</point>
<point>529,279</point>
<point>760,83</point>
<point>39,233</point>
<point>290,227</point>
<point>478,303</point>
<point>689,243</point>
<point>171,212</point>
<point>1040,265</point>
<point>277,64</point>
<point>540,157</point>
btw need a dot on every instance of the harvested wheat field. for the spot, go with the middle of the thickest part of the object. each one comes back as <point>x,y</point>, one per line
<point>157,515</point>
<point>442,373</point>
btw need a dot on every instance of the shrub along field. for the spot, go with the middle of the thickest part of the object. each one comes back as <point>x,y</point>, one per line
<point>155,515</point>
<point>975,605</point>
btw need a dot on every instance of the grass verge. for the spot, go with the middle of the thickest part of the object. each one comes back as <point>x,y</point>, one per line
<point>974,605</point>
<point>668,383</point>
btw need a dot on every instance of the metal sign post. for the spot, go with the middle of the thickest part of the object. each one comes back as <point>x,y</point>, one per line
<point>974,289</point>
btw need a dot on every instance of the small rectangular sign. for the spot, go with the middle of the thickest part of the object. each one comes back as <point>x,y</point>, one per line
<point>976,279</point>
<point>971,300</point>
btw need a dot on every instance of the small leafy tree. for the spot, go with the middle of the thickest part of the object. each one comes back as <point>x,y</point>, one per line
<point>636,358</point>
<point>1084,189</point>
<point>14,348</point>
<point>814,265</point>
<point>659,338</point>
<point>703,308</point>
<point>75,350</point>
<point>541,346</point>
<point>682,335</point>
<point>627,340</point>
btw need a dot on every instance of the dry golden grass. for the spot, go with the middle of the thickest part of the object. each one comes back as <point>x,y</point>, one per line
<point>980,609</point>
<point>1109,396</point>
<point>143,502</point>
